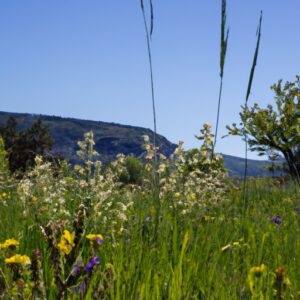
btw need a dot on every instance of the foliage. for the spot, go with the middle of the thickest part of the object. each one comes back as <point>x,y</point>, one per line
<point>276,129</point>
<point>134,171</point>
<point>23,146</point>
<point>3,162</point>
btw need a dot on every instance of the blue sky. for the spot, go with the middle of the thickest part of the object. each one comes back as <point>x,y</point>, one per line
<point>87,59</point>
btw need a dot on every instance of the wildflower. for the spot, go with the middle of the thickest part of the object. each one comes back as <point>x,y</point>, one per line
<point>276,220</point>
<point>63,246</point>
<point>177,195</point>
<point>77,267</point>
<point>162,168</point>
<point>236,244</point>
<point>122,216</point>
<point>193,196</point>
<point>218,157</point>
<point>206,218</point>
<point>146,138</point>
<point>34,199</point>
<point>207,126</point>
<point>61,201</point>
<point>256,281</point>
<point>69,237</point>
<point>9,243</point>
<point>92,262</point>
<point>66,242</point>
<point>97,237</point>
<point>18,259</point>
<point>257,271</point>
<point>149,155</point>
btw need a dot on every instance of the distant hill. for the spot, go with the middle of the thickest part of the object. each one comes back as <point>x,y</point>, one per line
<point>235,166</point>
<point>112,138</point>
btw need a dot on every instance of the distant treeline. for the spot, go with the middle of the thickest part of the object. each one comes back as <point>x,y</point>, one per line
<point>23,146</point>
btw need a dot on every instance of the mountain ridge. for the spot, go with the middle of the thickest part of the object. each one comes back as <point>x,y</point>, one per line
<point>114,138</point>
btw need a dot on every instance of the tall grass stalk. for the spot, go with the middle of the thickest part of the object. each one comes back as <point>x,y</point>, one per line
<point>224,41</point>
<point>258,33</point>
<point>148,38</point>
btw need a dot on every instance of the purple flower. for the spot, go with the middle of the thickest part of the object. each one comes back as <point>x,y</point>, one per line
<point>276,220</point>
<point>75,270</point>
<point>91,264</point>
<point>77,267</point>
<point>79,288</point>
<point>99,240</point>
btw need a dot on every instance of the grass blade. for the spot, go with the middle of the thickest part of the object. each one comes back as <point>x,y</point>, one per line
<point>152,18</point>
<point>224,42</point>
<point>258,33</point>
<point>148,37</point>
<point>254,59</point>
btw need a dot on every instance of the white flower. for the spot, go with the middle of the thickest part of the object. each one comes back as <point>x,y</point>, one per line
<point>146,138</point>
<point>61,201</point>
<point>122,216</point>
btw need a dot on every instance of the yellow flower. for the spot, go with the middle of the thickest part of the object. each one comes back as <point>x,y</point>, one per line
<point>63,246</point>
<point>34,199</point>
<point>255,280</point>
<point>172,180</point>
<point>69,237</point>
<point>95,237</point>
<point>66,242</point>
<point>257,271</point>
<point>18,259</point>
<point>9,243</point>
<point>193,196</point>
<point>177,195</point>
<point>206,218</point>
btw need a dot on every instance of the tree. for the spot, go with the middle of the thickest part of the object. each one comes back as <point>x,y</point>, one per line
<point>134,171</point>
<point>23,146</point>
<point>275,129</point>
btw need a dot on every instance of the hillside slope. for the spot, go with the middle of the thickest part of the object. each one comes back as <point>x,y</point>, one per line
<point>112,138</point>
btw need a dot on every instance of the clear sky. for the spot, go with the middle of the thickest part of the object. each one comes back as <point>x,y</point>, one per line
<point>88,59</point>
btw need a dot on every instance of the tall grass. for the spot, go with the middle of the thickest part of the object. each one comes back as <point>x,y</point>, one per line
<point>258,33</point>
<point>148,33</point>
<point>223,51</point>
<point>194,257</point>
